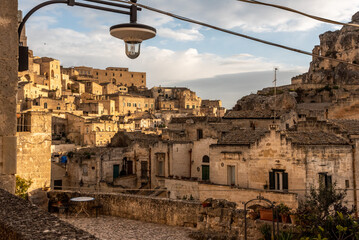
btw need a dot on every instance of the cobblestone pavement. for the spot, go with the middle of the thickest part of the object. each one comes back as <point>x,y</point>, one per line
<point>115,228</point>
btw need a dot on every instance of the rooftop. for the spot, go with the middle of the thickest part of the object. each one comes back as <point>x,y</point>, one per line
<point>315,138</point>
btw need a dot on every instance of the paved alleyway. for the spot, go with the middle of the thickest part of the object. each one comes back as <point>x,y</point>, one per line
<point>114,228</point>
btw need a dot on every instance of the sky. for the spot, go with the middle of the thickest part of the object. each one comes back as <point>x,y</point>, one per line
<point>214,64</point>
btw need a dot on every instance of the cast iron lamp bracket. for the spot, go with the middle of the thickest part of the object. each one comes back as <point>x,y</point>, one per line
<point>135,36</point>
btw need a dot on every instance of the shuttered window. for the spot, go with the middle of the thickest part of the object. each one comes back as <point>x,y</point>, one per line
<point>278,180</point>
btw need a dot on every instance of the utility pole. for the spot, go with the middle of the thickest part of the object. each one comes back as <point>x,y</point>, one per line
<point>275,92</point>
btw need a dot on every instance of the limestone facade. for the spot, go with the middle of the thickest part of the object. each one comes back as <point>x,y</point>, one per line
<point>34,148</point>
<point>8,80</point>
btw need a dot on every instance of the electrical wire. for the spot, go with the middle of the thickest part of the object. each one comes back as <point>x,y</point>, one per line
<point>238,34</point>
<point>301,13</point>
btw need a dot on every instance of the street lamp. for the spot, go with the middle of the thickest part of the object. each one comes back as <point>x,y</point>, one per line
<point>132,33</point>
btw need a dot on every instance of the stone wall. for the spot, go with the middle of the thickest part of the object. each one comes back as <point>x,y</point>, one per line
<point>180,189</point>
<point>34,151</point>
<point>219,219</point>
<point>8,87</point>
<point>156,210</point>
<point>20,220</point>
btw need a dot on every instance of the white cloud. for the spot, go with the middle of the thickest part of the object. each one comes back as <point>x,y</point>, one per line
<point>225,13</point>
<point>181,34</point>
<point>98,49</point>
<point>250,17</point>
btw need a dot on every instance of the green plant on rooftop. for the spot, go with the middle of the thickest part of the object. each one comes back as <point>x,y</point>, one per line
<point>22,186</point>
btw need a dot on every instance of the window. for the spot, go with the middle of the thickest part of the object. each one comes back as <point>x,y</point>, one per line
<point>146,105</point>
<point>45,105</point>
<point>205,172</point>
<point>231,175</point>
<point>160,164</point>
<point>278,180</point>
<point>116,171</point>
<point>57,184</point>
<point>187,106</point>
<point>199,134</point>
<point>160,168</point>
<point>193,107</point>
<point>205,159</point>
<point>325,180</point>
<point>144,167</point>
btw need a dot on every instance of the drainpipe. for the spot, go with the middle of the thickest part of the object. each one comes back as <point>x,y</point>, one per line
<point>190,163</point>
<point>354,182</point>
<point>168,160</point>
<point>149,167</point>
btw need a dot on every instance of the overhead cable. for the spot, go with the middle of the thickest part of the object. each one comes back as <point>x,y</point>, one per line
<point>236,33</point>
<point>301,13</point>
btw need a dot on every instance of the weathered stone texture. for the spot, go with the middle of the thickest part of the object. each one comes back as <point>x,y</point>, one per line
<point>34,151</point>
<point>8,86</point>
<point>8,66</point>
<point>155,210</point>
<point>21,220</point>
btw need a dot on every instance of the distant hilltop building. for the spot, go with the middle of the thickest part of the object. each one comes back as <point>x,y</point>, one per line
<point>114,75</point>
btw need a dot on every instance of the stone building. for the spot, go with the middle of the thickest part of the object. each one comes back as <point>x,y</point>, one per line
<point>34,148</point>
<point>8,79</point>
<point>115,75</point>
<point>90,131</point>
<point>93,87</point>
<point>50,69</point>
<point>127,104</point>
<point>212,108</point>
<point>29,90</point>
<point>175,98</point>
<point>109,88</point>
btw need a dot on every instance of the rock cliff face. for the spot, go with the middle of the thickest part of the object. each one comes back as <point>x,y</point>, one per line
<point>284,101</point>
<point>341,44</point>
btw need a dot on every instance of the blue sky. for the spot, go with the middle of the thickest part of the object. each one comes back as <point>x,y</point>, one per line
<point>182,54</point>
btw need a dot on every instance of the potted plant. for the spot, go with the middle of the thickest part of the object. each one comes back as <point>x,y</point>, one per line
<point>207,203</point>
<point>293,216</point>
<point>266,214</point>
<point>252,214</point>
<point>284,212</point>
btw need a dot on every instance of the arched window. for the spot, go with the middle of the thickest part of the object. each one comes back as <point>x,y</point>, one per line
<point>205,159</point>
<point>45,105</point>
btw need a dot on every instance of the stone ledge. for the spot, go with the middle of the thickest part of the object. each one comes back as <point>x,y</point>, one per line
<point>21,220</point>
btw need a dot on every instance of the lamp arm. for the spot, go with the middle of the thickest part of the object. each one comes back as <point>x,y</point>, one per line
<point>132,12</point>
<point>22,24</point>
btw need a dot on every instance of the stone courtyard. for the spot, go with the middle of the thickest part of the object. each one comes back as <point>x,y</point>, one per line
<point>108,227</point>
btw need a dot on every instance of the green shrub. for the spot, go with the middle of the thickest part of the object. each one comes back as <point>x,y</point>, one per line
<point>22,185</point>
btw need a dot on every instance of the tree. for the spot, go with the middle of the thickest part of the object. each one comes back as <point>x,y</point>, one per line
<point>324,215</point>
